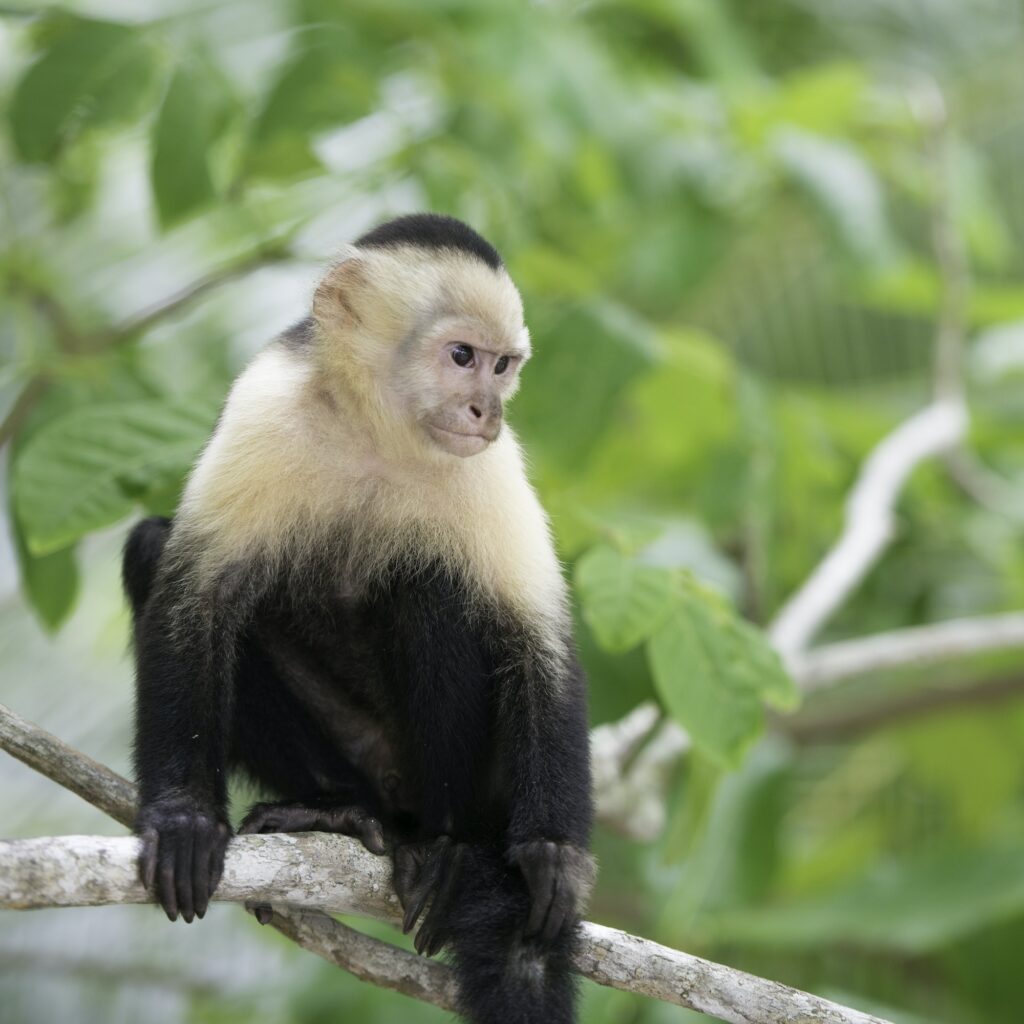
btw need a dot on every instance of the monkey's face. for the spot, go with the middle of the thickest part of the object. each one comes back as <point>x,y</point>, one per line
<point>437,342</point>
<point>459,375</point>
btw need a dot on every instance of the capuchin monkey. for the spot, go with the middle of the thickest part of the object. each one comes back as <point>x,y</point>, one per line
<point>358,606</point>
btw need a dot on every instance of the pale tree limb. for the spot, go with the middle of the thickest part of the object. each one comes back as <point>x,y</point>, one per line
<point>938,430</point>
<point>901,648</point>
<point>369,959</point>
<point>632,760</point>
<point>869,521</point>
<point>635,755</point>
<point>329,872</point>
<point>93,782</point>
<point>382,963</point>
<point>336,874</point>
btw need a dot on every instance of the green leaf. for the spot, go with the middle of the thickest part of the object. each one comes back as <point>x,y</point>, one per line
<point>623,600</point>
<point>843,185</point>
<point>84,470</point>
<point>827,99</point>
<point>50,582</point>
<point>584,359</point>
<point>84,74</point>
<point>321,86</point>
<point>713,670</point>
<point>183,133</point>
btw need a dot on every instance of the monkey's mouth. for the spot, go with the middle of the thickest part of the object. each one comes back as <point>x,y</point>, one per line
<point>461,442</point>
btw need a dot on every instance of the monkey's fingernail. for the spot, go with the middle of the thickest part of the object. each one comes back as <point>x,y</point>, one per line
<point>263,914</point>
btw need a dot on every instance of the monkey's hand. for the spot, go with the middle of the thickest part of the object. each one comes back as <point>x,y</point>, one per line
<point>182,856</point>
<point>559,877</point>
<point>428,871</point>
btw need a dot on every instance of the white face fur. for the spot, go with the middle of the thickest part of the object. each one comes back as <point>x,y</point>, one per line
<point>438,338</point>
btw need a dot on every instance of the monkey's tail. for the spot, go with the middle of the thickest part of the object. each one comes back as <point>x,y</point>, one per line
<point>504,978</point>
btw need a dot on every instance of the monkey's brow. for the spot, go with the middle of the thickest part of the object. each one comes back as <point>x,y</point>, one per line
<point>512,351</point>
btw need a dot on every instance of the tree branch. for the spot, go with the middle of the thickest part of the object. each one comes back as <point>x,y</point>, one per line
<point>918,645</point>
<point>93,782</point>
<point>938,429</point>
<point>634,756</point>
<point>146,318</point>
<point>22,406</point>
<point>369,959</point>
<point>326,872</point>
<point>336,874</point>
<point>844,723</point>
<point>868,522</point>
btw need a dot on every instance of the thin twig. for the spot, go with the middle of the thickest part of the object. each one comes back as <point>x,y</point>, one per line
<point>23,405</point>
<point>93,782</point>
<point>369,959</point>
<point>844,723</point>
<point>141,322</point>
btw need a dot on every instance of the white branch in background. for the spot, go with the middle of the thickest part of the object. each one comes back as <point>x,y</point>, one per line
<point>919,645</point>
<point>634,756</point>
<point>631,770</point>
<point>869,521</point>
<point>334,873</point>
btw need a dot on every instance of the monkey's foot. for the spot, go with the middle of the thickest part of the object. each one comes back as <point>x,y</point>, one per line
<point>428,871</point>
<point>346,820</point>
<point>559,877</point>
<point>350,820</point>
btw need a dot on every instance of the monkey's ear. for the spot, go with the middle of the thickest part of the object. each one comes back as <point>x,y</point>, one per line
<point>336,299</point>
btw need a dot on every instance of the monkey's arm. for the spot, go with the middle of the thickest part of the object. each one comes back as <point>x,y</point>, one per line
<point>545,749</point>
<point>184,644</point>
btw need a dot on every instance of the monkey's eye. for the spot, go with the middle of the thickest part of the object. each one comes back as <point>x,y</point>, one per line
<point>501,365</point>
<point>462,355</point>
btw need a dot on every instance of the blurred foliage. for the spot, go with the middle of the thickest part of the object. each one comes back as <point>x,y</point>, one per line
<point>720,217</point>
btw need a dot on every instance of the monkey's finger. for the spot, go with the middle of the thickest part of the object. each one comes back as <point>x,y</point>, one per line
<point>165,878</point>
<point>184,848</point>
<point>432,935</point>
<point>434,857</point>
<point>147,858</point>
<point>201,873</point>
<point>371,832</point>
<point>541,883</point>
<point>557,912</point>
<point>417,901</point>
<point>217,857</point>
<point>406,869</point>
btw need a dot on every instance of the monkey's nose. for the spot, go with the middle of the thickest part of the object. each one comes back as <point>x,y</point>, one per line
<point>475,410</point>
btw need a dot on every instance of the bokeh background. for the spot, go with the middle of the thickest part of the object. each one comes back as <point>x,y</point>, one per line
<point>743,231</point>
